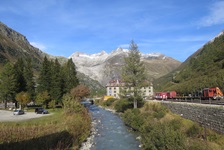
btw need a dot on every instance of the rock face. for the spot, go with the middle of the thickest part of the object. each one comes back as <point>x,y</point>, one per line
<point>14,45</point>
<point>104,67</point>
<point>12,34</point>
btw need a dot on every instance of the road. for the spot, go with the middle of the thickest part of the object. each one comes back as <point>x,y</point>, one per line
<point>8,116</point>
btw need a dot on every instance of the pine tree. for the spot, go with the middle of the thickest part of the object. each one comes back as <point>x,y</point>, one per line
<point>44,80</point>
<point>8,83</point>
<point>57,84</point>
<point>70,73</point>
<point>133,73</point>
<point>29,78</point>
<point>20,80</point>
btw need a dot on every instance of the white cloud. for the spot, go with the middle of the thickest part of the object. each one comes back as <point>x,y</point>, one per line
<point>215,16</point>
<point>39,45</point>
<point>190,38</point>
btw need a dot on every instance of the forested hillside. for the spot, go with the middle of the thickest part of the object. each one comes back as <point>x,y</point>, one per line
<point>205,68</point>
<point>15,46</point>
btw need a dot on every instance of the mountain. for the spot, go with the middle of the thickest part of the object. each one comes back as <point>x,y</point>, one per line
<point>100,67</point>
<point>14,45</point>
<point>104,67</point>
<point>204,68</point>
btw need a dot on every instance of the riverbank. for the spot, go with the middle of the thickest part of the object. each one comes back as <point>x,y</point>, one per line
<point>159,128</point>
<point>86,145</point>
<point>109,132</point>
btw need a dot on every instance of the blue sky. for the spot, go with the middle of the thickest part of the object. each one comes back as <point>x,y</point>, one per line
<point>176,28</point>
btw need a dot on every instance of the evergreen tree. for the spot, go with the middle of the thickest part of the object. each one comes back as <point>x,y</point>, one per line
<point>57,84</point>
<point>133,73</point>
<point>20,80</point>
<point>29,78</point>
<point>44,80</point>
<point>70,73</point>
<point>8,83</point>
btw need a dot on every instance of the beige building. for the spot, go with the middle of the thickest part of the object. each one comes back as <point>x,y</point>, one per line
<point>114,88</point>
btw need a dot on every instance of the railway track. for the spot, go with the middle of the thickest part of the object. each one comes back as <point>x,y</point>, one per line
<point>198,101</point>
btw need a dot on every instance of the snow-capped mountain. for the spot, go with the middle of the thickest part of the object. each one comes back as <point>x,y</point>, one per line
<point>104,67</point>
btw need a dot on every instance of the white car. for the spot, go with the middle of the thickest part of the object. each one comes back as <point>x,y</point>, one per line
<point>18,112</point>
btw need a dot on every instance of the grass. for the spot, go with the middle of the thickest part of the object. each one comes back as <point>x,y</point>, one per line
<point>161,129</point>
<point>57,131</point>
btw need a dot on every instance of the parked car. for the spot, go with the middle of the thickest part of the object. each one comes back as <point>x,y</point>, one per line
<point>41,111</point>
<point>18,112</point>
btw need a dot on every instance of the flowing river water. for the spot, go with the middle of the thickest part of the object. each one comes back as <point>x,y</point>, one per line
<point>109,132</point>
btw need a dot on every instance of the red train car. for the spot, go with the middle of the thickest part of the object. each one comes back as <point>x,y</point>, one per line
<point>165,95</point>
<point>212,93</point>
<point>161,95</point>
<point>171,94</point>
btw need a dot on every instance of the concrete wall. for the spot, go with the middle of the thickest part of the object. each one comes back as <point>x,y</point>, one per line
<point>208,116</point>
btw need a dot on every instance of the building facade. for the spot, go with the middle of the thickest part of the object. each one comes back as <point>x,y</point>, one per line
<point>114,88</point>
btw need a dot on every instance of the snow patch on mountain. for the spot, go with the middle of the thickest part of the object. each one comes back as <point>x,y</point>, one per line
<point>98,66</point>
<point>151,55</point>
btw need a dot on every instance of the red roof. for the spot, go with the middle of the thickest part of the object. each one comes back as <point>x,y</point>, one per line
<point>115,83</point>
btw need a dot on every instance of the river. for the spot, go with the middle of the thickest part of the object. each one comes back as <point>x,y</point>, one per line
<point>109,132</point>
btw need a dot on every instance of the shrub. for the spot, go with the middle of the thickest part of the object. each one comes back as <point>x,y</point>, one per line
<point>109,102</point>
<point>176,124</point>
<point>197,145</point>
<point>163,136</point>
<point>133,118</point>
<point>156,110</point>
<point>71,105</point>
<point>122,105</point>
<point>194,131</point>
<point>160,130</point>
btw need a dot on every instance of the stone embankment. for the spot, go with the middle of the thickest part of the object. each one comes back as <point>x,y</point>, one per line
<point>209,116</point>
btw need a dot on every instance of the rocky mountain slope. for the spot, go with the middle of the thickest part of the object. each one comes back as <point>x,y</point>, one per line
<point>14,45</point>
<point>204,68</point>
<point>104,67</point>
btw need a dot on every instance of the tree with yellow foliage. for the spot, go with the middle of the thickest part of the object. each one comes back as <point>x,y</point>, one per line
<point>23,98</point>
